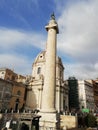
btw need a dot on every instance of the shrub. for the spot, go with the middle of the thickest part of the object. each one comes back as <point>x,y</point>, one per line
<point>90,120</point>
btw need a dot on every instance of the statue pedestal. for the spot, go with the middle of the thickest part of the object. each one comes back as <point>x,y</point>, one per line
<point>49,121</point>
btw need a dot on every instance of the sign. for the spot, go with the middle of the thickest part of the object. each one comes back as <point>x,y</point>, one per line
<point>85,110</point>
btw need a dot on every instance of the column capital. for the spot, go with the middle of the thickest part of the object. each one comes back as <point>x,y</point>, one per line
<point>52,24</point>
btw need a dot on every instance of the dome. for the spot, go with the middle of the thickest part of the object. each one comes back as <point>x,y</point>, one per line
<point>41,57</point>
<point>38,66</point>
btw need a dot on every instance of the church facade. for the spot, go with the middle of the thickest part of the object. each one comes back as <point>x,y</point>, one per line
<point>36,83</point>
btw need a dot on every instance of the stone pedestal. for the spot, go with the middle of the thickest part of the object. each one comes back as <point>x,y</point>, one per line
<point>49,121</point>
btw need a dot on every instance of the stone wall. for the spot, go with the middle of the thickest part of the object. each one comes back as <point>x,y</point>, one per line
<point>68,121</point>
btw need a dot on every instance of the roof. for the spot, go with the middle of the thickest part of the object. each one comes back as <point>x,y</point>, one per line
<point>41,57</point>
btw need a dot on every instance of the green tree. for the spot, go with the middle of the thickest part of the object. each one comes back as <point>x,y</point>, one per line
<point>90,120</point>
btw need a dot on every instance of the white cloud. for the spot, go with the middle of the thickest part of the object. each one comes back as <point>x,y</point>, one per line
<point>11,38</point>
<point>18,63</point>
<point>81,70</point>
<point>78,38</point>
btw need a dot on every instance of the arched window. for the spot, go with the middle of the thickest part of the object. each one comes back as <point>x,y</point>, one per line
<point>19,93</point>
<point>39,70</point>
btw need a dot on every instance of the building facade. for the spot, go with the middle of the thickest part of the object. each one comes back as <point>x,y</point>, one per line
<point>5,94</point>
<point>18,98</point>
<point>86,95</point>
<point>12,90</point>
<point>10,75</point>
<point>36,82</point>
<point>73,93</point>
<point>95,90</point>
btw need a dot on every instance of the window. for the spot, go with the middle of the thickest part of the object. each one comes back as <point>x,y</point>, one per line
<point>18,93</point>
<point>17,100</point>
<point>7,96</point>
<point>41,56</point>
<point>39,70</point>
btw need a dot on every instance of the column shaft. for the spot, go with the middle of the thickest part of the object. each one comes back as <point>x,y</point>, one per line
<point>48,103</point>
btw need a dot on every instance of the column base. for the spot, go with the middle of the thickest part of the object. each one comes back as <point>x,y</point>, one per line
<point>51,110</point>
<point>49,121</point>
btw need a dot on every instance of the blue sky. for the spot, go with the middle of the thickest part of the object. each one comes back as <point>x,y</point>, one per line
<point>23,34</point>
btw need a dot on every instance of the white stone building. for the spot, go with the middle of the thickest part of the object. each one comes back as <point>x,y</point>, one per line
<point>36,82</point>
<point>86,95</point>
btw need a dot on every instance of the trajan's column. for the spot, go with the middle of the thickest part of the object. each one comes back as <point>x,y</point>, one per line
<point>48,111</point>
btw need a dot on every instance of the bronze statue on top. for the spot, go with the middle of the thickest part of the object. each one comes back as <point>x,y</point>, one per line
<point>53,16</point>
